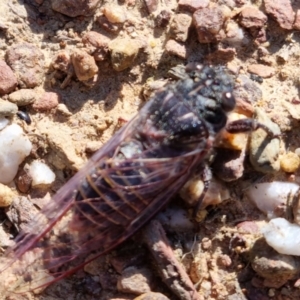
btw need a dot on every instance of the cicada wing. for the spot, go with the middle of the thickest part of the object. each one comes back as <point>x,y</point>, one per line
<point>94,225</point>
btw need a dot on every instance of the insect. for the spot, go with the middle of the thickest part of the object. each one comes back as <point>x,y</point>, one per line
<point>126,182</point>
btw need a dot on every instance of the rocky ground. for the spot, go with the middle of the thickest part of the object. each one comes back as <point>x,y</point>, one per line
<point>72,72</point>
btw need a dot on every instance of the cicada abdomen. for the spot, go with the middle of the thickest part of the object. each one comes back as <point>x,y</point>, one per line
<point>126,182</point>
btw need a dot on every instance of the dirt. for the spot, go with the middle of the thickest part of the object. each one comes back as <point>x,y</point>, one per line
<point>96,107</point>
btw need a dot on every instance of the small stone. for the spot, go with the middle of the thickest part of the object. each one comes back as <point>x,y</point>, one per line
<point>289,162</point>
<point>27,62</point>
<point>123,53</point>
<point>152,296</point>
<point>180,27</point>
<point>23,97</point>
<point>106,25</point>
<point>221,56</point>
<point>84,65</point>
<point>246,93</point>
<point>252,17</point>
<point>264,150</point>
<point>174,48</point>
<point>114,13</point>
<point>23,181</point>
<point>192,5</point>
<point>6,195</point>
<point>62,108</point>
<point>14,147</point>
<point>281,11</point>
<point>248,227</point>
<point>7,109</point>
<point>228,164</point>
<point>47,101</point>
<point>262,70</point>
<point>74,8</point>
<point>296,25</point>
<point>163,18</point>
<point>8,81</point>
<point>99,44</point>
<point>135,281</point>
<point>209,23</point>
<point>275,268</point>
<point>41,174</point>
<point>152,5</point>
<point>93,146</point>
<point>62,61</point>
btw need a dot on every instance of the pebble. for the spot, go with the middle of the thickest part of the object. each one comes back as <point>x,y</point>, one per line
<point>6,195</point>
<point>23,97</point>
<point>192,191</point>
<point>114,13</point>
<point>14,147</point>
<point>262,70</point>
<point>251,16</point>
<point>3,122</point>
<point>23,180</point>
<point>209,23</point>
<point>296,25</point>
<point>63,109</point>
<point>152,5</point>
<point>93,146</point>
<point>264,151</point>
<point>246,93</point>
<point>180,27</point>
<point>152,296</point>
<point>174,48</point>
<point>163,18</point>
<point>228,164</point>
<point>7,109</point>
<point>281,11</point>
<point>289,162</point>
<point>47,101</point>
<point>222,55</point>
<point>135,281</point>
<point>41,174</point>
<point>275,268</point>
<point>8,80</point>
<point>84,65</point>
<point>192,5</point>
<point>123,53</point>
<point>74,8</point>
<point>98,42</point>
<point>27,62</point>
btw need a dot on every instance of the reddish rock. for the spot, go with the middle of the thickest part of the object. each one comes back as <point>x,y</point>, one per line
<point>192,5</point>
<point>281,11</point>
<point>47,101</point>
<point>174,48</point>
<point>98,42</point>
<point>252,17</point>
<point>221,55</point>
<point>27,62</point>
<point>261,70</point>
<point>296,25</point>
<point>152,296</point>
<point>163,18</point>
<point>74,8</point>
<point>8,81</point>
<point>209,23</point>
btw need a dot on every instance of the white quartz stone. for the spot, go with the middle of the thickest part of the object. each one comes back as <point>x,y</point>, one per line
<point>14,147</point>
<point>41,174</point>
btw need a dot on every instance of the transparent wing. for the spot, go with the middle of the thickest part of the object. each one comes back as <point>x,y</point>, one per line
<point>100,207</point>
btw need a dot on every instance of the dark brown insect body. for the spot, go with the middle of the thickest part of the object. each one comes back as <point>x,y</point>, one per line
<point>126,182</point>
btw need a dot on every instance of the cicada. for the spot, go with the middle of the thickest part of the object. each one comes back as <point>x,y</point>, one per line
<point>126,182</point>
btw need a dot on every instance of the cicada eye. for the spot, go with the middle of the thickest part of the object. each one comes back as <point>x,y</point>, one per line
<point>228,101</point>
